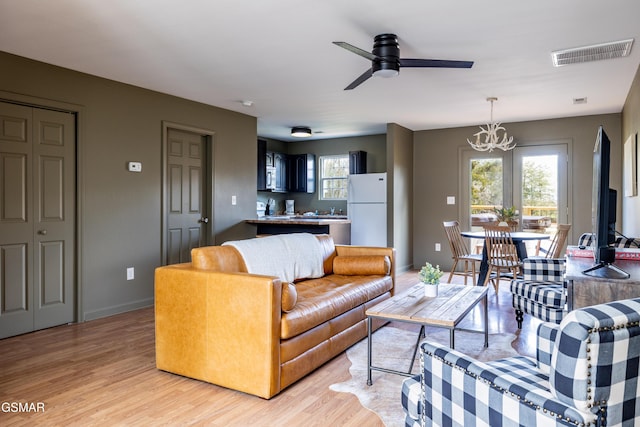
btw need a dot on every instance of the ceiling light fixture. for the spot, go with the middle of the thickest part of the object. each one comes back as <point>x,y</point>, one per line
<point>300,131</point>
<point>488,139</point>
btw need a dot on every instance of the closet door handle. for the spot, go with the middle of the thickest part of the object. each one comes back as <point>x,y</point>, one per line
<point>42,232</point>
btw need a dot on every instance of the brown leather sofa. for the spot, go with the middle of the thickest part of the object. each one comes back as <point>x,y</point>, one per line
<point>217,323</point>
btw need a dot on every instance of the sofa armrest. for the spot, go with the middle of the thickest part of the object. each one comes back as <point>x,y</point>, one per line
<point>223,328</point>
<point>411,394</point>
<point>545,341</point>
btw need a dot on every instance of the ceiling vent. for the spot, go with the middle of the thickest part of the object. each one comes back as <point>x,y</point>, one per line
<point>595,52</point>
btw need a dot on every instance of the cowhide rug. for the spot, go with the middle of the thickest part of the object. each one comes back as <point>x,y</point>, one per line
<point>393,348</point>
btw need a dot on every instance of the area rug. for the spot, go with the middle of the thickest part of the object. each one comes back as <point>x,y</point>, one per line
<point>392,349</point>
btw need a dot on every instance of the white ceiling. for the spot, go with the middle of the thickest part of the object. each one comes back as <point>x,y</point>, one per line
<point>279,54</point>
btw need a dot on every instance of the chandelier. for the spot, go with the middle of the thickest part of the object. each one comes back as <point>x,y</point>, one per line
<point>488,139</point>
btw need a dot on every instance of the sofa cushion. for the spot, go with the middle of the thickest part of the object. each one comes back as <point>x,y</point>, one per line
<point>362,265</point>
<point>289,296</point>
<point>320,300</point>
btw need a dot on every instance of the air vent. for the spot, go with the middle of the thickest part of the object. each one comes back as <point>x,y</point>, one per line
<point>592,53</point>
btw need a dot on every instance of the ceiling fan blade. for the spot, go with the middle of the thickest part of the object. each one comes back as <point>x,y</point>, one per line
<point>363,77</point>
<point>434,63</point>
<point>356,50</point>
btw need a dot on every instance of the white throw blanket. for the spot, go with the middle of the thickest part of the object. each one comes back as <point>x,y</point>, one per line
<point>287,256</point>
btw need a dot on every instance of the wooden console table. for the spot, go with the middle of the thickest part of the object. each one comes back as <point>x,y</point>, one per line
<point>583,290</point>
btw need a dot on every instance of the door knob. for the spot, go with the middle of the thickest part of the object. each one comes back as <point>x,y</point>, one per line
<point>42,232</point>
<point>203,220</point>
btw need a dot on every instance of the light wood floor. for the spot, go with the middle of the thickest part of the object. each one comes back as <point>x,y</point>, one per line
<point>103,372</point>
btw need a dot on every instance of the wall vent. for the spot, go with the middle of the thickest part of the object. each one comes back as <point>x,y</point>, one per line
<point>595,52</point>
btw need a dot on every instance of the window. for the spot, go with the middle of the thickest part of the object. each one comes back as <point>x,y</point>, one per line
<point>333,177</point>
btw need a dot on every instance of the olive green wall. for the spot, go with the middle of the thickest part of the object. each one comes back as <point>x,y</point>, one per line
<point>631,126</point>
<point>437,175</point>
<point>374,145</point>
<point>400,195</point>
<point>119,212</point>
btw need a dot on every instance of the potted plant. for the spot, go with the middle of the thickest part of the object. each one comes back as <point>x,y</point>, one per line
<point>430,276</point>
<point>507,215</point>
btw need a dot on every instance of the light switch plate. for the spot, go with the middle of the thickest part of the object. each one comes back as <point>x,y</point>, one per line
<point>451,200</point>
<point>134,166</point>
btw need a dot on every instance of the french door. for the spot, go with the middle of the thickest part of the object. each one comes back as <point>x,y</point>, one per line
<point>532,178</point>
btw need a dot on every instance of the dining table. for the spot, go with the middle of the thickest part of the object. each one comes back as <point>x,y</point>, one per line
<point>519,240</point>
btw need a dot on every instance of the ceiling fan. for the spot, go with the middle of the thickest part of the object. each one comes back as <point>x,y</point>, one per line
<point>386,62</point>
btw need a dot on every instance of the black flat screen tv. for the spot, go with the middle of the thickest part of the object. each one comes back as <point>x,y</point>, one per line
<point>603,213</point>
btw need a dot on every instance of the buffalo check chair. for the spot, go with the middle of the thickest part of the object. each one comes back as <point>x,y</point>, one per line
<point>627,242</point>
<point>460,253</point>
<point>585,374</point>
<point>542,290</point>
<point>586,239</point>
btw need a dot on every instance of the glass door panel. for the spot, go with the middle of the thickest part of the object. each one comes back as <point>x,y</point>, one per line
<point>485,184</point>
<point>540,187</point>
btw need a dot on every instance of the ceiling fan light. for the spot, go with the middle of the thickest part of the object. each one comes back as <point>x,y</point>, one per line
<point>300,131</point>
<point>386,73</point>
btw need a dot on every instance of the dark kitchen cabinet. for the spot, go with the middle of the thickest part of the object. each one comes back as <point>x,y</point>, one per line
<point>280,164</point>
<point>302,173</point>
<point>357,162</point>
<point>262,165</point>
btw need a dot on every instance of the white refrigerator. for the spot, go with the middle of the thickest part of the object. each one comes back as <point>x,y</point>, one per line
<point>367,208</point>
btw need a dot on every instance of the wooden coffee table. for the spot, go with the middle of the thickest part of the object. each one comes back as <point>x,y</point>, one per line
<point>446,310</point>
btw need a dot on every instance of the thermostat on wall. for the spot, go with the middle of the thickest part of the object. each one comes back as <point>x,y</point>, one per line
<point>134,166</point>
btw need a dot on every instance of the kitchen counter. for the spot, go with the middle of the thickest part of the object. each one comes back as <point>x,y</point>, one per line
<point>337,226</point>
<point>300,219</point>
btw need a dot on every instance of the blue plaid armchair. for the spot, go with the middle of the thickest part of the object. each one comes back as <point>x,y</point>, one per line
<point>542,291</point>
<point>585,374</point>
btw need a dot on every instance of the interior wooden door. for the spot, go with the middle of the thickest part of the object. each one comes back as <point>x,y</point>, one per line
<point>187,218</point>
<point>37,218</point>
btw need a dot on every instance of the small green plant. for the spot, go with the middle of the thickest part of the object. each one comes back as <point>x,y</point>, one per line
<point>506,214</point>
<point>430,275</point>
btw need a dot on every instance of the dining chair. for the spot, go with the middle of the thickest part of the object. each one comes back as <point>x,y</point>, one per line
<point>557,243</point>
<point>502,254</point>
<point>460,252</point>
